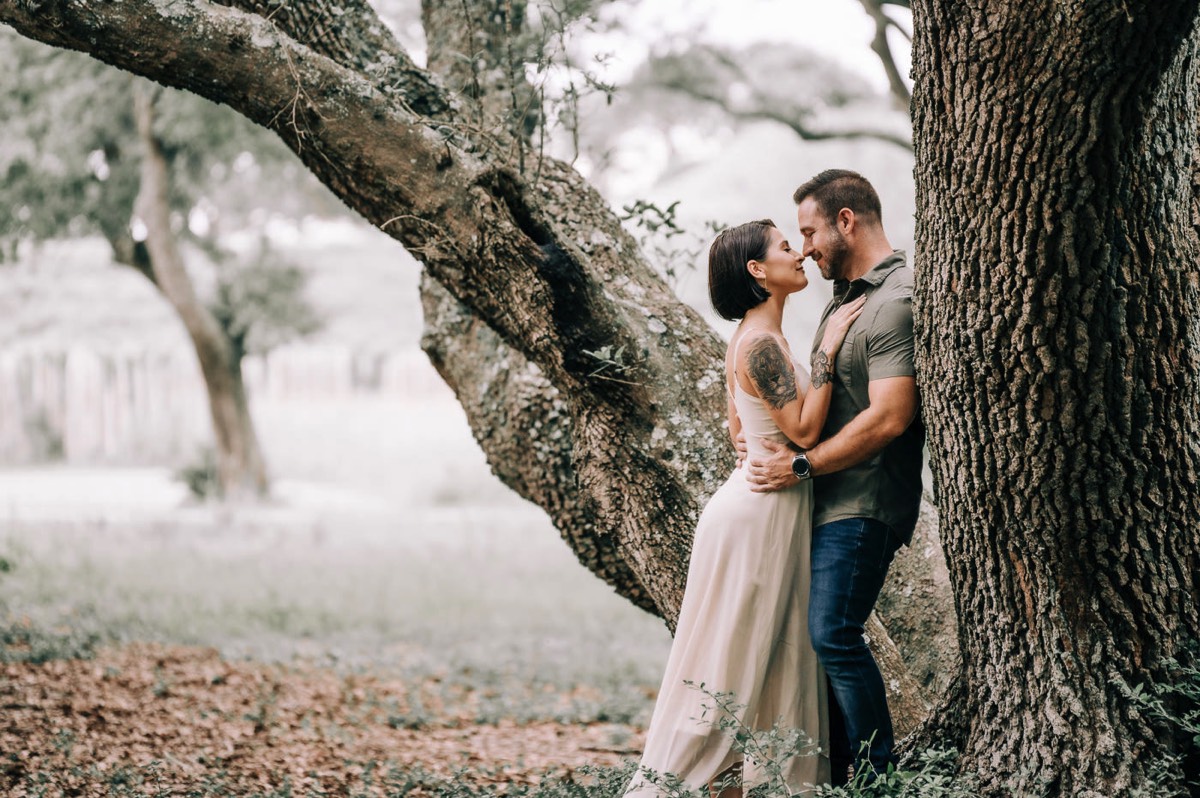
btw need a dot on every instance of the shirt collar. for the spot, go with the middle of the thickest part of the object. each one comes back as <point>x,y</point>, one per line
<point>876,275</point>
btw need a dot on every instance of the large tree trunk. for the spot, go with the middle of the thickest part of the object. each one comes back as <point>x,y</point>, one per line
<point>241,472</point>
<point>1058,318</point>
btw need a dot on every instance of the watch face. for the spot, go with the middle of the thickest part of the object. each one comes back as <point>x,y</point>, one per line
<point>800,466</point>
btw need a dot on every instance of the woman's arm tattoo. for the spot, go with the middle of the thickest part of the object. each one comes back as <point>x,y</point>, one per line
<point>772,372</point>
<point>821,373</point>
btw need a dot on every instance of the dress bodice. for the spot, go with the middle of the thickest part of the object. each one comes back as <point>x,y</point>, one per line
<point>756,421</point>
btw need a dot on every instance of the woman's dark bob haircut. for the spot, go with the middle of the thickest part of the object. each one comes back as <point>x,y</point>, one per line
<point>731,287</point>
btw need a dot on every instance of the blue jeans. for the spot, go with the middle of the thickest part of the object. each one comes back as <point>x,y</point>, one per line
<point>850,559</point>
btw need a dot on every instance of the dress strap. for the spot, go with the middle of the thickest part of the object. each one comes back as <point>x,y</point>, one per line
<point>736,348</point>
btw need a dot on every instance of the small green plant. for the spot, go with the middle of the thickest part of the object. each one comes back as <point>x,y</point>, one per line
<point>200,476</point>
<point>1175,703</point>
<point>24,642</point>
<point>264,708</point>
<point>610,362</point>
<point>64,741</point>
<point>931,775</point>
<point>162,685</point>
<point>671,249</point>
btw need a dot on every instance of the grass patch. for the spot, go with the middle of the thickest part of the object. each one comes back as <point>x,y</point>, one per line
<point>366,780</point>
<point>481,604</point>
<point>23,642</point>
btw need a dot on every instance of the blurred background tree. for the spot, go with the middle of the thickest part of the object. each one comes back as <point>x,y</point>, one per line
<point>159,173</point>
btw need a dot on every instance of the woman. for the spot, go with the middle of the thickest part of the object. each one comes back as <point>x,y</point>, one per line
<point>743,623</point>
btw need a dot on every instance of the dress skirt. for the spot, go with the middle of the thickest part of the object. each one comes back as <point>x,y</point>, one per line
<point>742,636</point>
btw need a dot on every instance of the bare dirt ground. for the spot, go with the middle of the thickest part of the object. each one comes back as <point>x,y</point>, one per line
<point>150,719</point>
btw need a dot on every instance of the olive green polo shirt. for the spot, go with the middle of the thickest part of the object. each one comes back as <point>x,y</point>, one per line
<point>886,487</point>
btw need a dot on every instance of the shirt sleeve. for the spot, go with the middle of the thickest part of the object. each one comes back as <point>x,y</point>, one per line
<point>890,342</point>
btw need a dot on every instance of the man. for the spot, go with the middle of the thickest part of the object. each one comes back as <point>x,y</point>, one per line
<point>866,470</point>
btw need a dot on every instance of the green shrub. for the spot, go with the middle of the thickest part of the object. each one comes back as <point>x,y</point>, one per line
<point>200,476</point>
<point>22,642</point>
<point>933,774</point>
<point>1174,703</point>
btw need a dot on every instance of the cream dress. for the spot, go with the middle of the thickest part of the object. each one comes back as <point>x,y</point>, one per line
<point>743,628</point>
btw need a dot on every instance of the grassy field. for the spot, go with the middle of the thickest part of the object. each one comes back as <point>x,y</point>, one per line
<point>390,547</point>
<point>482,598</point>
<point>395,623</point>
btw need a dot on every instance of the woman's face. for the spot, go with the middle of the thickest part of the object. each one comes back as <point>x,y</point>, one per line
<point>782,267</point>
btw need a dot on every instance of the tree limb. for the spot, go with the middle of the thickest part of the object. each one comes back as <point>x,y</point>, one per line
<point>793,121</point>
<point>240,467</point>
<point>524,426</point>
<point>882,49</point>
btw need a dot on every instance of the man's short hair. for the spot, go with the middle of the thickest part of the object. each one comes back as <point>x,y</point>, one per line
<point>835,189</point>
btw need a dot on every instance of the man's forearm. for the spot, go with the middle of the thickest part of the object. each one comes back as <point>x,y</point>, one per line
<point>893,406</point>
<point>861,439</point>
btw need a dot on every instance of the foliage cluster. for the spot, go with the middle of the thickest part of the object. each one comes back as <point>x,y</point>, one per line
<point>1174,704</point>
<point>259,299</point>
<point>929,774</point>
<point>200,476</point>
<point>671,248</point>
<point>84,178</point>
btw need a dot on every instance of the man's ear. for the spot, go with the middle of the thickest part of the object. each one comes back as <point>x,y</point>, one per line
<point>845,221</point>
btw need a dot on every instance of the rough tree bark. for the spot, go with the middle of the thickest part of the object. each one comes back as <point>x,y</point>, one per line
<point>918,611</point>
<point>1058,318</point>
<point>519,417</point>
<point>241,472</point>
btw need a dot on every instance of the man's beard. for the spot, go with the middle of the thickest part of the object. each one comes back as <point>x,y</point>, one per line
<point>833,265</point>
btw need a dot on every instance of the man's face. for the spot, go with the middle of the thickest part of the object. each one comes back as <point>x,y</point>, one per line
<point>822,241</point>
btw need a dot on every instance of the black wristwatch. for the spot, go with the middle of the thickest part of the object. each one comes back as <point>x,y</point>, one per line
<point>801,467</point>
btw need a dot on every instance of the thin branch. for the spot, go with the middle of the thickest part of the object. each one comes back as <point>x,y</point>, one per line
<point>792,121</point>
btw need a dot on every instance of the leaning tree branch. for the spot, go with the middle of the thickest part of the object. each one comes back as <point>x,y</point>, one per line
<point>551,269</point>
<point>527,437</point>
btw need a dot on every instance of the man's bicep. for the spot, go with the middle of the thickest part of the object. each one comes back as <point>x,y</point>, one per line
<point>890,348</point>
<point>894,399</point>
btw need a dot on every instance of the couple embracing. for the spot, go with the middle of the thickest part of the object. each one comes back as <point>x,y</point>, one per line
<point>791,552</point>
